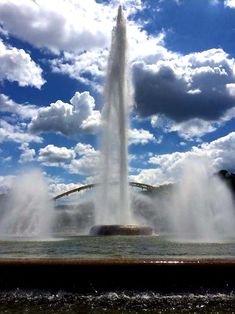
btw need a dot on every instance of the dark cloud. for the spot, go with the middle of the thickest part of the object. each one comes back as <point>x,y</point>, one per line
<point>184,91</point>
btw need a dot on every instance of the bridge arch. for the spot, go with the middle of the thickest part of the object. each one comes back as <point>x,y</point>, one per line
<point>142,186</point>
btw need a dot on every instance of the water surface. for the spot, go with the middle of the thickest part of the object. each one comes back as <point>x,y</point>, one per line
<point>114,246</point>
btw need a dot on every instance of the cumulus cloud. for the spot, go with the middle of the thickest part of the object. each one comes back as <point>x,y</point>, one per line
<point>8,105</point>
<point>13,124</point>
<point>140,136</point>
<point>68,118</point>
<point>193,128</point>
<point>55,156</point>
<point>17,65</point>
<point>87,161</point>
<point>58,188</point>
<point>80,34</point>
<point>27,154</point>
<point>67,25</point>
<point>168,167</point>
<point>87,67</point>
<point>220,153</point>
<point>185,87</point>
<point>16,133</point>
<point>82,149</point>
<point>76,29</point>
<point>82,159</point>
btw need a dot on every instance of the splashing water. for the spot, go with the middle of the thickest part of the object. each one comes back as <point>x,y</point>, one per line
<point>202,207</point>
<point>199,208</point>
<point>29,211</point>
<point>113,205</point>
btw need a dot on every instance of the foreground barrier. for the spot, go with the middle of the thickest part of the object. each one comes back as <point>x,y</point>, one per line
<point>96,275</point>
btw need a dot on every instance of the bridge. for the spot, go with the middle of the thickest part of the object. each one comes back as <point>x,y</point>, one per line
<point>142,186</point>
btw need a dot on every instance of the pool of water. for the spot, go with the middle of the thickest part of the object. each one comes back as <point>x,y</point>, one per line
<point>114,302</point>
<point>113,247</point>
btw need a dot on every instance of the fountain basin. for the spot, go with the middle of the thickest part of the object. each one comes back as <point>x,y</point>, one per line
<point>111,230</point>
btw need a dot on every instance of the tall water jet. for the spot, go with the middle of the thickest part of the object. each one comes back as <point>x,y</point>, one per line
<point>113,205</point>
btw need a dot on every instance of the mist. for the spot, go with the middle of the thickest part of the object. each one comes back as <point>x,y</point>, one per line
<point>200,207</point>
<point>28,210</point>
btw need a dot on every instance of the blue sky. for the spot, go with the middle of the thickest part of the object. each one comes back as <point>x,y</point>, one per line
<point>53,57</point>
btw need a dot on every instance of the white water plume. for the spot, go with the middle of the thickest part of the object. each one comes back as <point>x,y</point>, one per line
<point>29,211</point>
<point>201,207</point>
<point>113,205</point>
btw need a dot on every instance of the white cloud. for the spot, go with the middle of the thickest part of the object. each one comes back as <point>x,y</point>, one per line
<point>130,6</point>
<point>80,33</point>
<point>68,119</point>
<point>17,65</point>
<point>140,136</point>
<point>89,66</point>
<point>151,176</point>
<point>64,25</point>
<point>143,46</point>
<point>168,167</point>
<point>68,25</point>
<point>24,111</point>
<point>86,166</point>
<point>13,127</point>
<point>82,149</point>
<point>27,154</point>
<point>193,128</point>
<point>221,152</point>
<point>55,156</point>
<point>58,188</point>
<point>231,89</point>
<point>230,3</point>
<point>88,161</point>
<point>15,133</point>
<point>82,159</point>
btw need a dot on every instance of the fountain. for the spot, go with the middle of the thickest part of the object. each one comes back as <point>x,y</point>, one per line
<point>113,212</point>
<point>73,272</point>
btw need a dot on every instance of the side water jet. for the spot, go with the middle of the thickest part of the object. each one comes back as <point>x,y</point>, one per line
<point>202,207</point>
<point>113,200</point>
<point>28,211</point>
